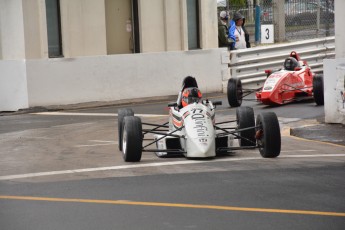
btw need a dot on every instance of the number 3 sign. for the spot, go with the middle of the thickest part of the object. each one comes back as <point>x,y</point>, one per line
<point>267,34</point>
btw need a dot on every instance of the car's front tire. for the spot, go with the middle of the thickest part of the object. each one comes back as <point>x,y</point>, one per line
<point>268,134</point>
<point>245,119</point>
<point>121,114</point>
<point>234,92</point>
<point>132,140</point>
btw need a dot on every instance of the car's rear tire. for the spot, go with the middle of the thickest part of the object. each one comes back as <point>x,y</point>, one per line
<point>318,89</point>
<point>122,113</point>
<point>132,140</point>
<point>245,119</point>
<point>268,134</point>
<point>234,92</point>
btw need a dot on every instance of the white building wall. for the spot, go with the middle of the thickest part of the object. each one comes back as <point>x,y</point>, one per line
<point>12,29</point>
<point>13,85</point>
<point>32,29</point>
<point>126,76</point>
<point>208,24</point>
<point>173,25</point>
<point>87,73</point>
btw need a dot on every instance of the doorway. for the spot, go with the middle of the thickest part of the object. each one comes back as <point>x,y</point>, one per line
<point>122,26</point>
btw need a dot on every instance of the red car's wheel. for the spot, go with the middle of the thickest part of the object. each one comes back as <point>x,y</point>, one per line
<point>318,89</point>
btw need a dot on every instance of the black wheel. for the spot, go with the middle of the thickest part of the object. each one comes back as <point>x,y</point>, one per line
<point>268,134</point>
<point>235,93</point>
<point>122,113</point>
<point>245,119</point>
<point>132,140</point>
<point>318,89</point>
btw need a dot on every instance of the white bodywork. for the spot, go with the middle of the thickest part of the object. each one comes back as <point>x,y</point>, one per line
<point>197,135</point>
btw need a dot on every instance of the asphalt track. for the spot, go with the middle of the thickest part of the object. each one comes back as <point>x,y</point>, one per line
<point>63,171</point>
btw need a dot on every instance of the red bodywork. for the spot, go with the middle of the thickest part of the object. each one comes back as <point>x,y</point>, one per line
<point>285,86</point>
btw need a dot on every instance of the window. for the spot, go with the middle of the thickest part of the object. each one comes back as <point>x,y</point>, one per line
<point>54,28</point>
<point>193,24</point>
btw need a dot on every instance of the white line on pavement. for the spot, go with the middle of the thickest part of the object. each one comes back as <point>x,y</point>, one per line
<point>96,145</point>
<point>94,114</point>
<point>139,165</point>
<point>100,142</point>
<point>103,141</point>
<point>302,150</point>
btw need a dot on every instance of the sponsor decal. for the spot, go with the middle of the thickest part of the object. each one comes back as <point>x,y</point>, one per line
<point>202,140</point>
<point>199,121</point>
<point>271,82</point>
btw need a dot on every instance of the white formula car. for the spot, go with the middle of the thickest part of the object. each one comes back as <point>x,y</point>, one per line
<point>193,132</point>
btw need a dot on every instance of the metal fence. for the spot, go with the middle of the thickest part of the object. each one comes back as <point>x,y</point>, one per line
<point>249,65</point>
<point>304,19</point>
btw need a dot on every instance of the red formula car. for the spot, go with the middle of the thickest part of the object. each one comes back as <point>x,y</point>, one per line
<point>294,82</point>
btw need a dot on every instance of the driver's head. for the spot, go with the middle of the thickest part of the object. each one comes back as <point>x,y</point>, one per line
<point>190,95</point>
<point>290,63</point>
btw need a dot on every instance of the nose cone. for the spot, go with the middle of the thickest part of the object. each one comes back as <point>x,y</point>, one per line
<point>199,132</point>
<point>201,147</point>
<point>268,98</point>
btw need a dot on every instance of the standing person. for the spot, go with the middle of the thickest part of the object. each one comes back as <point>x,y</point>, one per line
<point>223,30</point>
<point>238,32</point>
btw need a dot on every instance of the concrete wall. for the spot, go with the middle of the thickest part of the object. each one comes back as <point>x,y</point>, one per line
<point>334,77</point>
<point>115,77</point>
<point>334,71</point>
<point>13,85</point>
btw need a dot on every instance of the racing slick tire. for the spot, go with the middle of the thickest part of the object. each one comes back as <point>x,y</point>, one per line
<point>132,139</point>
<point>268,134</point>
<point>318,89</point>
<point>234,92</point>
<point>122,113</point>
<point>245,119</point>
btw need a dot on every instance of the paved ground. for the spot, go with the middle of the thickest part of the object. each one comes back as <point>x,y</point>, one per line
<point>308,129</point>
<point>332,133</point>
<point>64,171</point>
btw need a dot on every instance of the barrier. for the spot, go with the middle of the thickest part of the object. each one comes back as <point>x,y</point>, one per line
<point>63,81</point>
<point>250,64</point>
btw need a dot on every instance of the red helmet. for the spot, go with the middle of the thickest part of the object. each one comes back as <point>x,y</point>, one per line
<point>190,95</point>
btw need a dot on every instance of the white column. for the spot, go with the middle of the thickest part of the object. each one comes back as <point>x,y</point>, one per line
<point>334,71</point>
<point>339,18</point>
<point>12,30</point>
